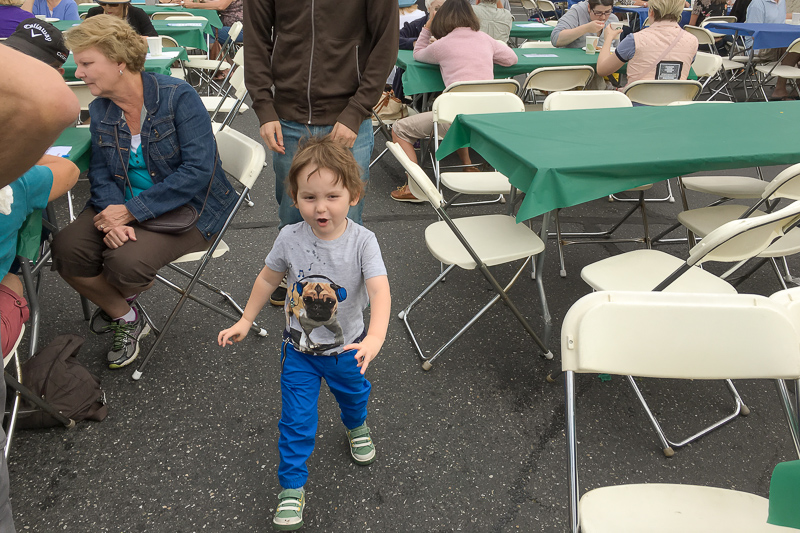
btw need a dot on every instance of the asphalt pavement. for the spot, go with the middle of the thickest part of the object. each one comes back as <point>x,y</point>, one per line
<point>476,444</point>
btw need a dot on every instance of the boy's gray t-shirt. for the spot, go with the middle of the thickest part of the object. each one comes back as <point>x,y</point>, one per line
<point>326,292</point>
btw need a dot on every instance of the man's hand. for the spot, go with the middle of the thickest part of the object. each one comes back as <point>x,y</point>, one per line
<point>273,136</point>
<point>119,236</point>
<point>111,217</point>
<point>594,26</point>
<point>343,134</point>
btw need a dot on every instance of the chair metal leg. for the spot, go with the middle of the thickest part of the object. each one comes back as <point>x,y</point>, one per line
<point>790,411</point>
<point>668,198</point>
<point>572,450</point>
<point>667,445</point>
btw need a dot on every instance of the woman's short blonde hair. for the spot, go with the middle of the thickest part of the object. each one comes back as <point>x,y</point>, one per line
<point>112,36</point>
<point>11,2</point>
<point>667,9</point>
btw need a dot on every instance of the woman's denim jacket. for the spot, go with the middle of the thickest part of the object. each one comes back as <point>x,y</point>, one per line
<point>178,146</point>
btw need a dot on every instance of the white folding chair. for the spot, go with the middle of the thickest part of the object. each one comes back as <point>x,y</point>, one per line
<point>445,109</point>
<point>773,70</point>
<point>552,79</point>
<point>546,9</point>
<point>653,270</point>
<point>735,68</point>
<point>484,86</point>
<point>207,69</point>
<point>179,71</point>
<point>242,158</point>
<point>577,100</point>
<point>700,222</point>
<point>230,104</point>
<point>469,243</point>
<point>721,337</point>
<point>662,92</point>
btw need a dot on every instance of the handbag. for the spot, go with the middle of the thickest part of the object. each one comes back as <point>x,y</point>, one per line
<point>178,220</point>
<point>390,108</point>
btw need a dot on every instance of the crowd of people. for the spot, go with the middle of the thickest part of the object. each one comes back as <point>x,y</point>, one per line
<point>153,151</point>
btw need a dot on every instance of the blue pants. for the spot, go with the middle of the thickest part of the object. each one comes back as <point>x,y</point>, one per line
<point>301,378</point>
<point>293,132</point>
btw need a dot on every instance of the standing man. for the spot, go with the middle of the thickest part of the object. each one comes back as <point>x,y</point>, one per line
<point>328,61</point>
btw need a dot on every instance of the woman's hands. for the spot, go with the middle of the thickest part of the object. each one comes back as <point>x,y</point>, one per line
<point>116,237</point>
<point>610,34</point>
<point>112,217</point>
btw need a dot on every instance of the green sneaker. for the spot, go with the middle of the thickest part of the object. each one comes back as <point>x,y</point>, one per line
<point>362,449</point>
<point>289,514</point>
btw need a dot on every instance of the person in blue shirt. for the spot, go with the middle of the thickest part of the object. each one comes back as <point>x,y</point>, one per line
<point>59,9</point>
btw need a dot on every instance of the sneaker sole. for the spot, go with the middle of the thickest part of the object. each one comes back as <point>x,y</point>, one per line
<point>364,462</point>
<point>287,527</point>
<point>277,303</point>
<point>145,333</point>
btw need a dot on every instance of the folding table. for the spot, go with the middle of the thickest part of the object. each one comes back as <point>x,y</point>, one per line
<point>211,14</point>
<point>530,30</point>
<point>159,65</point>
<point>185,32</point>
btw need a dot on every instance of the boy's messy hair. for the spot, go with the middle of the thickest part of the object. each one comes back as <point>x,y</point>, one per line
<point>324,152</point>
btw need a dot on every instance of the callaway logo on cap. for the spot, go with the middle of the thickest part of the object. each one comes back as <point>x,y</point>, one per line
<point>39,39</point>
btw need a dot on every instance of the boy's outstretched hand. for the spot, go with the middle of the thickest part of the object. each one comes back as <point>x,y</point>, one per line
<point>367,351</point>
<point>235,333</point>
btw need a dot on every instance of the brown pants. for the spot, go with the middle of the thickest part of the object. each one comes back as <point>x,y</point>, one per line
<point>79,252</point>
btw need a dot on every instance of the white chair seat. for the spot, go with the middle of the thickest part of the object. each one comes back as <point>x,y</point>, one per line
<point>782,71</point>
<point>211,103</point>
<point>221,250</point>
<point>206,64</point>
<point>476,182</point>
<point>643,270</point>
<point>738,187</point>
<point>656,507</point>
<point>497,239</point>
<point>730,64</point>
<point>177,73</point>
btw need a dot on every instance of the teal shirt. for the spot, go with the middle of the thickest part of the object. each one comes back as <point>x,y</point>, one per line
<point>137,173</point>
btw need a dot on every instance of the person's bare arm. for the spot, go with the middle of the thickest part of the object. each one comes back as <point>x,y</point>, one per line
<point>35,108</point>
<point>219,5</point>
<point>27,6</point>
<point>65,174</point>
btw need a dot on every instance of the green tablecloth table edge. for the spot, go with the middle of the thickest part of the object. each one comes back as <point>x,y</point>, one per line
<point>81,142</point>
<point>211,14</point>
<point>184,35</point>
<point>565,158</point>
<point>159,66</point>
<point>518,32</point>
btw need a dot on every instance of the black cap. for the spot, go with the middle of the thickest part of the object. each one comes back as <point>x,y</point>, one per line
<point>39,39</point>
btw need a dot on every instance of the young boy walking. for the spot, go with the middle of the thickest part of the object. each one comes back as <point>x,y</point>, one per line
<point>334,270</point>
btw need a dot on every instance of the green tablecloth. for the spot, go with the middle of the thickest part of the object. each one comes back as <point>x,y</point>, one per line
<point>426,78</point>
<point>80,141</point>
<point>564,158</point>
<point>518,31</point>
<point>157,65</point>
<point>192,36</point>
<point>210,14</point>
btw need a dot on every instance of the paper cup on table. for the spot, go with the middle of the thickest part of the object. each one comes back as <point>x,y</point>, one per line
<point>41,17</point>
<point>154,45</point>
<point>795,18</point>
<point>591,44</point>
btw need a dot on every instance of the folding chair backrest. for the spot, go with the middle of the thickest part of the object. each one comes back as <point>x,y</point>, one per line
<point>237,82</point>
<point>236,29</point>
<point>546,6</point>
<point>169,42</point>
<point>723,336</point>
<point>82,92</point>
<point>562,100</point>
<point>704,37</point>
<point>718,18</point>
<point>744,238</point>
<point>706,65</point>
<point>550,79</point>
<point>419,182</point>
<point>789,298</point>
<point>794,47</point>
<point>241,157</point>
<point>162,15</point>
<point>785,185</point>
<point>484,86</point>
<point>662,92</point>
<point>238,58</point>
<point>448,105</point>
<point>537,44</point>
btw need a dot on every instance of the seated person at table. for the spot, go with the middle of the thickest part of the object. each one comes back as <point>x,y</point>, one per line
<point>409,12</point>
<point>170,160</point>
<point>662,51</point>
<point>230,11</point>
<point>60,9</point>
<point>494,20</point>
<point>12,12</point>
<point>122,9</point>
<point>772,12</point>
<point>506,4</point>
<point>49,179</point>
<point>706,8</point>
<point>588,17</point>
<point>463,53</point>
<point>409,33</point>
<point>40,39</point>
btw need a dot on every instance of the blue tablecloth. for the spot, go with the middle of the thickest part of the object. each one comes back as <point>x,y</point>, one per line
<point>642,14</point>
<point>764,35</point>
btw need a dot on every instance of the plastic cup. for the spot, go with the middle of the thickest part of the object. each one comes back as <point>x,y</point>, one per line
<point>795,18</point>
<point>41,17</point>
<point>154,45</point>
<point>591,44</point>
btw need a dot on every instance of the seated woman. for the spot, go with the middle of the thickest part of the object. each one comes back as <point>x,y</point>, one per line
<point>409,32</point>
<point>230,11</point>
<point>12,12</point>
<point>463,53</point>
<point>153,151</point>
<point>662,51</point>
<point>60,9</point>
<point>122,9</point>
<point>49,179</point>
<point>588,17</point>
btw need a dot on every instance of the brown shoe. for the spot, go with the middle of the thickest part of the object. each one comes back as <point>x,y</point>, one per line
<point>404,194</point>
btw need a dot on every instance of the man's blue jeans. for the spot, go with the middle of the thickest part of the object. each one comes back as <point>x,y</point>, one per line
<point>293,133</point>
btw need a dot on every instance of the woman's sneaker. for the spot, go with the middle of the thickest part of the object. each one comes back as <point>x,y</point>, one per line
<point>127,335</point>
<point>100,319</point>
<point>362,449</point>
<point>289,514</point>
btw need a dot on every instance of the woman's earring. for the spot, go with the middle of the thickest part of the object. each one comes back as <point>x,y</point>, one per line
<point>120,73</point>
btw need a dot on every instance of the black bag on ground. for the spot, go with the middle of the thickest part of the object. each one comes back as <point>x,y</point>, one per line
<point>56,376</point>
